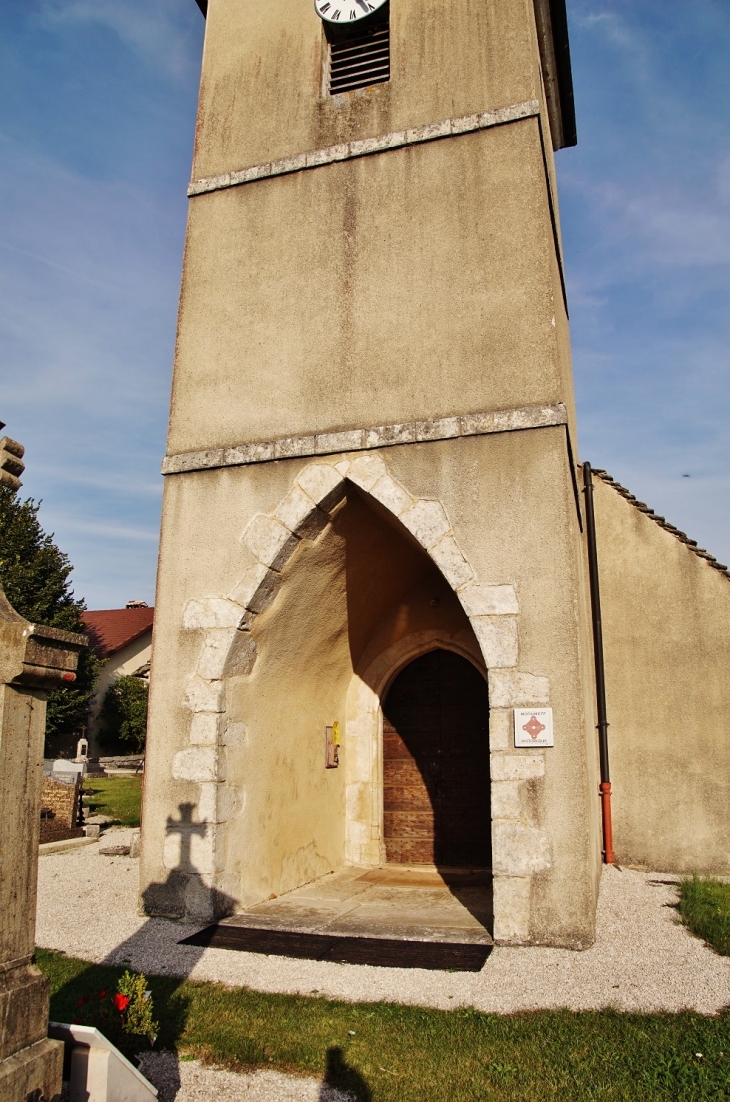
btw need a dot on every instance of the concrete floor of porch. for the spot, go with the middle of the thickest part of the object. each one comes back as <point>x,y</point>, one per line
<point>420,903</point>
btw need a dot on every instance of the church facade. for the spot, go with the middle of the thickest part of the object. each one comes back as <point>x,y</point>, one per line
<point>373,638</point>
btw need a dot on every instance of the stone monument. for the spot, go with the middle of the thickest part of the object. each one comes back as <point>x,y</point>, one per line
<point>33,659</point>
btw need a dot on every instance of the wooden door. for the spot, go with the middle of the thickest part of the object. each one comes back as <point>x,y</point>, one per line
<point>436,764</point>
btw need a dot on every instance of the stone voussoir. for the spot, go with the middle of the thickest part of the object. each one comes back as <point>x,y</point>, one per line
<point>489,600</point>
<point>497,638</point>
<point>450,560</point>
<point>270,541</point>
<point>212,612</point>
<point>427,521</point>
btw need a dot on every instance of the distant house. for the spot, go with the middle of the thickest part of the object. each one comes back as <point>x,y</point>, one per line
<point>122,637</point>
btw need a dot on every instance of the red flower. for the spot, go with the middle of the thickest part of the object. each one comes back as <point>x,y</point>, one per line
<point>81,1002</point>
<point>121,1002</point>
<point>102,994</point>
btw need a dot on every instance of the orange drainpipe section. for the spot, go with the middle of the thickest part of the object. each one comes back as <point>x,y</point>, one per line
<point>608,856</point>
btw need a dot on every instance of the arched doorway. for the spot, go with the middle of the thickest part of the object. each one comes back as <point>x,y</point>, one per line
<point>436,785</point>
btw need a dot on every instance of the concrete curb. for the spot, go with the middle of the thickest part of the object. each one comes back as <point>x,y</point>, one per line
<point>47,849</point>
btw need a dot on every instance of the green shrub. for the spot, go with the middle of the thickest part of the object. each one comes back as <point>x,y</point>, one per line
<point>124,711</point>
<point>127,1011</point>
<point>136,1011</point>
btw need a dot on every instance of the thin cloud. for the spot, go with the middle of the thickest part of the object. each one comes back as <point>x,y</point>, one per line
<point>658,226</point>
<point>156,32</point>
<point>110,531</point>
<point>115,483</point>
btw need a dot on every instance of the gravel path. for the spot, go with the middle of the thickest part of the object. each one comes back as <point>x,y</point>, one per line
<point>188,1081</point>
<point>642,959</point>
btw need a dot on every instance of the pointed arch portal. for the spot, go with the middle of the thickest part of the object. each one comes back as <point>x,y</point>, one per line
<point>479,676</point>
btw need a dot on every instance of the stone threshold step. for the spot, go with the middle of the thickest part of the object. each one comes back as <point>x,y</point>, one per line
<point>380,952</point>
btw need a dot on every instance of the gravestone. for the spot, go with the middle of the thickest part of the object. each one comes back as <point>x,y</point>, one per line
<point>33,659</point>
<point>60,798</point>
<point>65,768</point>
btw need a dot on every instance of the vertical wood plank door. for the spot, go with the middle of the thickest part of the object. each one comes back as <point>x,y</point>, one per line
<point>436,764</point>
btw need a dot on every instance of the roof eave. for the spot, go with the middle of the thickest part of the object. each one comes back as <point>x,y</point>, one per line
<point>131,639</point>
<point>104,653</point>
<point>552,33</point>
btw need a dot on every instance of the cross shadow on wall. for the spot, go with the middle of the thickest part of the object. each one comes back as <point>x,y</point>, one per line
<point>182,897</point>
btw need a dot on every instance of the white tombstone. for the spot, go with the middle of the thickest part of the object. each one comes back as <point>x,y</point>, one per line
<point>99,1071</point>
<point>82,750</point>
<point>64,768</point>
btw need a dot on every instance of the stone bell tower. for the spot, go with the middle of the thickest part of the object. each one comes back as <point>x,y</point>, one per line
<point>371,453</point>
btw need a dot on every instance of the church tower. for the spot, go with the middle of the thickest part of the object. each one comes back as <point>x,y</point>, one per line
<point>371,576</point>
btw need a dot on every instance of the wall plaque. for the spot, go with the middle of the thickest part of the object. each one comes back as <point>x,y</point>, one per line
<point>534,727</point>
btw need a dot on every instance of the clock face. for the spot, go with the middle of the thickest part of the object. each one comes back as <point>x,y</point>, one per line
<point>346,11</point>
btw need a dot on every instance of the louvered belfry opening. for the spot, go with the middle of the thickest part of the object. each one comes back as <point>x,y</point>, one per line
<point>359,55</point>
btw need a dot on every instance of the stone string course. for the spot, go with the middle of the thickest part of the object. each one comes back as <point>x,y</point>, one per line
<point>382,436</point>
<point>662,522</point>
<point>347,151</point>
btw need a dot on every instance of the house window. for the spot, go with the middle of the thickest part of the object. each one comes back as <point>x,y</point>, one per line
<point>358,55</point>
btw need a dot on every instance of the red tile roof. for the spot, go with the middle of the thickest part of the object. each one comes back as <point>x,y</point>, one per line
<point>111,629</point>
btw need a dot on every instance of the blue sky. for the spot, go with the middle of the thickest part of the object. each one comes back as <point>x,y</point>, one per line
<point>97,108</point>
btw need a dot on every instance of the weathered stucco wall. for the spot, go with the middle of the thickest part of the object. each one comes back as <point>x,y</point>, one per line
<point>414,283</point>
<point>261,92</point>
<point>667,648</point>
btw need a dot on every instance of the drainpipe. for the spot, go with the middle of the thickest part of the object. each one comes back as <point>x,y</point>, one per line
<point>602,725</point>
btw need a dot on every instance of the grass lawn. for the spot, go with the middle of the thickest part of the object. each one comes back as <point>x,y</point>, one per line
<point>383,1052</point>
<point>118,797</point>
<point>704,905</point>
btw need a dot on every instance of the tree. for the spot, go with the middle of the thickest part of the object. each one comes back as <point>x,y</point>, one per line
<point>35,576</point>
<point>124,711</point>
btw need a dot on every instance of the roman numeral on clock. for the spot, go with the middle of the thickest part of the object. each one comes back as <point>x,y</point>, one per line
<point>355,11</point>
